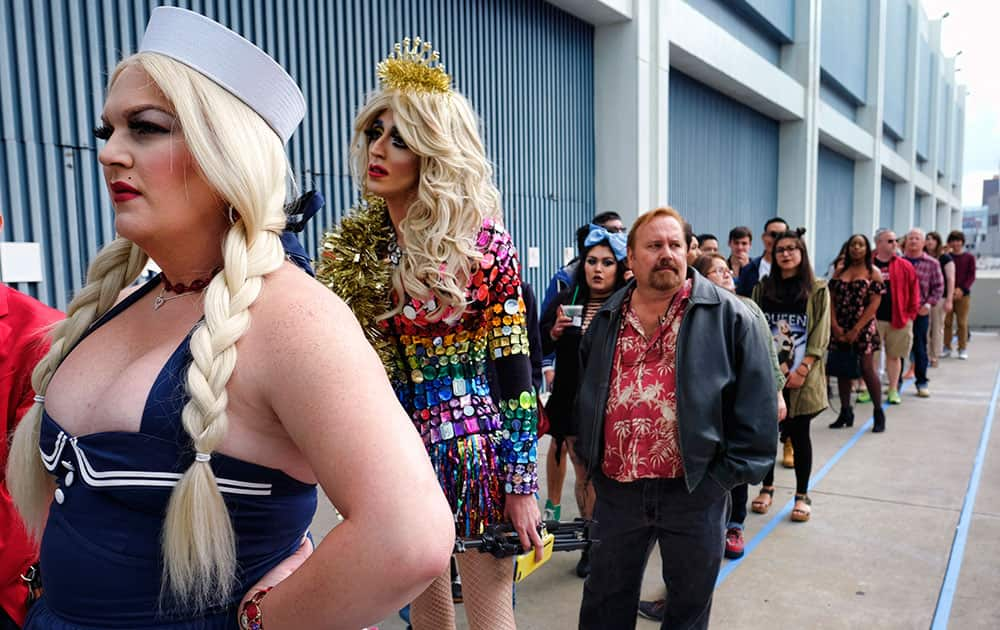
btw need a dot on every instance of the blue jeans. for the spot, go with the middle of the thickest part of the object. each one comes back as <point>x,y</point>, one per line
<point>690,529</point>
<point>921,327</point>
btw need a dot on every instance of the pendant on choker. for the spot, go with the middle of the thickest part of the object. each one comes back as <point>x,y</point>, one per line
<point>181,289</point>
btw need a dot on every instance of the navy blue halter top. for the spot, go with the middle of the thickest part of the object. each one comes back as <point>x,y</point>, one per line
<point>100,554</point>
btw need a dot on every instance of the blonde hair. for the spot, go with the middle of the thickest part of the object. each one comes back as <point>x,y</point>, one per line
<point>455,195</point>
<point>244,161</point>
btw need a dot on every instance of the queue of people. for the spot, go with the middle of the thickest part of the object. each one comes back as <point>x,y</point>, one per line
<point>814,329</point>
<point>167,442</point>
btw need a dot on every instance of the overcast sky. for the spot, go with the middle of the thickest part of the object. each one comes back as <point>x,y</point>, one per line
<point>973,27</point>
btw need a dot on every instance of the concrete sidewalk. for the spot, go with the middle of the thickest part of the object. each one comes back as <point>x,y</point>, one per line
<point>874,555</point>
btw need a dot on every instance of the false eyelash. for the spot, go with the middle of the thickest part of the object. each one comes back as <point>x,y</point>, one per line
<point>103,132</point>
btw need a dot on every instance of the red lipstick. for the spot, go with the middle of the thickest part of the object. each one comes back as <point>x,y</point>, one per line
<point>374,170</point>
<point>120,192</point>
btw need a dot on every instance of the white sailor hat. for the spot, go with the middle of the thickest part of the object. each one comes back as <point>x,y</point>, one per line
<point>231,61</point>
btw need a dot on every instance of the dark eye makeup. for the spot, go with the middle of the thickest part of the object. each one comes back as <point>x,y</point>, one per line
<point>376,131</point>
<point>139,126</point>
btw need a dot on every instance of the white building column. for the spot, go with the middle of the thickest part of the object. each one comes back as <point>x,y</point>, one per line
<point>631,85</point>
<point>926,216</point>
<point>904,210</point>
<point>798,140</point>
<point>868,173</point>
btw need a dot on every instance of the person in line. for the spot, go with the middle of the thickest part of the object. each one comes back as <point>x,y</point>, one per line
<point>663,464</point>
<point>740,239</point>
<point>797,306</point>
<point>896,311</point>
<point>856,291</point>
<point>172,425</point>
<point>716,269</point>
<point>748,277</point>
<point>432,274</point>
<point>936,248</point>
<point>709,244</point>
<point>601,274</point>
<point>24,322</point>
<point>965,276</point>
<point>759,268</point>
<point>694,247</point>
<point>563,279</point>
<point>931,283</point>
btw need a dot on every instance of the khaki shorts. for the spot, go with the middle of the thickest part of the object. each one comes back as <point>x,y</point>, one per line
<point>896,341</point>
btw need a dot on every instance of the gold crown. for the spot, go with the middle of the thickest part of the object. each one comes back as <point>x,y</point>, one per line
<point>415,68</point>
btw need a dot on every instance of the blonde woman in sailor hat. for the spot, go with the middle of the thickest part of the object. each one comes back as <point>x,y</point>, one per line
<point>432,275</point>
<point>169,465</point>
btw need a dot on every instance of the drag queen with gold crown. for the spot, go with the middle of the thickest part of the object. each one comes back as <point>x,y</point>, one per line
<point>432,275</point>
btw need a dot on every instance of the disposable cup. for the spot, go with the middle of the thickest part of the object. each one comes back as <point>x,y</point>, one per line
<point>575,313</point>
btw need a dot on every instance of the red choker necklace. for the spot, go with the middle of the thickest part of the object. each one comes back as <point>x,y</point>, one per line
<point>196,285</point>
<point>181,289</point>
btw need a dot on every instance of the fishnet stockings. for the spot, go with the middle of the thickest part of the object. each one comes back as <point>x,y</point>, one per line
<point>486,588</point>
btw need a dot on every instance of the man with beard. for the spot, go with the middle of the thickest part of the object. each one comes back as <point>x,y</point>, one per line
<point>676,406</point>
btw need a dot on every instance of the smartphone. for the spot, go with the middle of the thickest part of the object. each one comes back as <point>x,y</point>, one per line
<point>525,563</point>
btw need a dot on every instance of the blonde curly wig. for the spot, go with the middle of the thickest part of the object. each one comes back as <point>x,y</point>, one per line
<point>455,194</point>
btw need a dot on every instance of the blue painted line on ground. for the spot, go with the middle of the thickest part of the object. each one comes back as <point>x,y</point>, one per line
<point>942,612</point>
<point>786,509</point>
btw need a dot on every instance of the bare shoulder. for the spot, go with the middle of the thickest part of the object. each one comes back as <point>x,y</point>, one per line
<point>295,309</point>
<point>876,274</point>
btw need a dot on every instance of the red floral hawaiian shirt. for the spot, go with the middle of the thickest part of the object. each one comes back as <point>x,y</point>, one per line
<point>640,419</point>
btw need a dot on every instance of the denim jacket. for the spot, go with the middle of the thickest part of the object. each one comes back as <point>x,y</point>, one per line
<point>727,404</point>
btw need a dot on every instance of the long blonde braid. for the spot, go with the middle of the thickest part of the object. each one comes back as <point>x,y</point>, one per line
<point>244,161</point>
<point>114,268</point>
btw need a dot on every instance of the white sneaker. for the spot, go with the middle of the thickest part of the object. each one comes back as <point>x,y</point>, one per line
<point>963,355</point>
<point>945,353</point>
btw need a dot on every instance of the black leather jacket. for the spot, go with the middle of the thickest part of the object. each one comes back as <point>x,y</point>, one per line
<point>727,406</point>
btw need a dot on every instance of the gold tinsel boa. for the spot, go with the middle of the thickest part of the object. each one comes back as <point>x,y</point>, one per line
<point>354,264</point>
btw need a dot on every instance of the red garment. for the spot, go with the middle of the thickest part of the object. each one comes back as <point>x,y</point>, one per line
<point>905,288</point>
<point>22,344</point>
<point>965,271</point>
<point>640,420</point>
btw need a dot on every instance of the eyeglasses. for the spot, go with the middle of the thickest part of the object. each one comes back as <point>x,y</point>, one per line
<point>723,271</point>
<point>786,250</point>
<point>890,240</point>
<point>616,230</point>
<point>774,234</point>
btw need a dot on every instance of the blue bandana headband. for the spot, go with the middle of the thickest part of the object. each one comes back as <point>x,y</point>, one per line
<point>616,240</point>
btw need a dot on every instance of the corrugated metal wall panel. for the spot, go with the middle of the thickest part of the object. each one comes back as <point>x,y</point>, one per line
<point>887,208</point>
<point>928,74</point>
<point>723,159</point>
<point>897,67</point>
<point>834,206</point>
<point>844,45</point>
<point>527,68</point>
